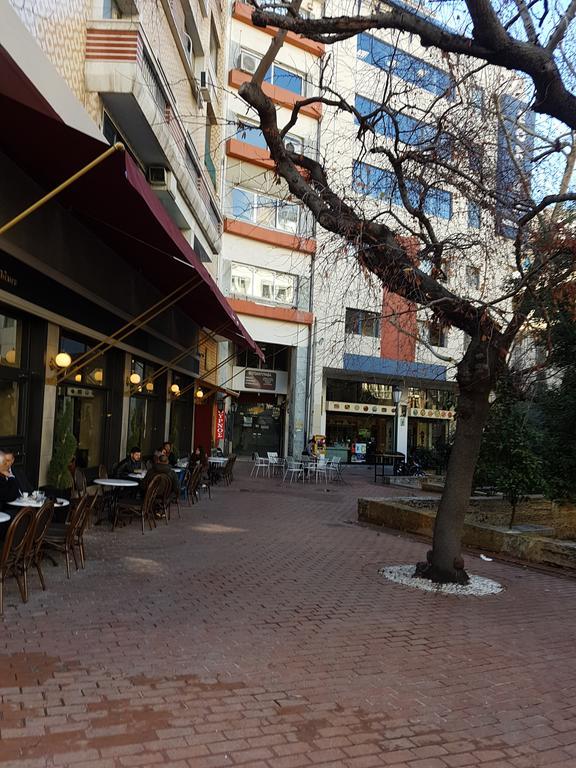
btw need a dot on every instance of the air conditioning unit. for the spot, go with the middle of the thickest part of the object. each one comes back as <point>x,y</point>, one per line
<point>205,85</point>
<point>249,62</point>
<point>162,179</point>
<point>157,175</point>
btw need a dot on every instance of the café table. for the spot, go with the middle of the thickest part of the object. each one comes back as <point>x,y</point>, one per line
<point>116,484</point>
<point>36,503</point>
<point>4,518</point>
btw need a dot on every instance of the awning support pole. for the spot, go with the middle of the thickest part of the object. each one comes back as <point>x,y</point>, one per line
<point>118,147</point>
<point>208,373</point>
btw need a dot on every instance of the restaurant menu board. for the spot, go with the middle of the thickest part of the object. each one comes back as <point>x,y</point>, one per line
<point>254,379</point>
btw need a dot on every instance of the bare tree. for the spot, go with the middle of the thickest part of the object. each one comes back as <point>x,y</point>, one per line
<point>507,37</point>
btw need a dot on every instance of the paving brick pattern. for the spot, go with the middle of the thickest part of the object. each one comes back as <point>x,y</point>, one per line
<point>256,632</point>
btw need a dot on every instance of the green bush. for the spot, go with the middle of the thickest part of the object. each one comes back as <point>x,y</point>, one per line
<point>65,445</point>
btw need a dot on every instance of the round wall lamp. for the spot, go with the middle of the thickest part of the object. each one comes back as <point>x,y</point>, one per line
<point>200,393</point>
<point>10,356</point>
<point>78,377</point>
<point>134,378</point>
<point>61,361</point>
<point>98,375</point>
<point>149,386</point>
<point>175,389</point>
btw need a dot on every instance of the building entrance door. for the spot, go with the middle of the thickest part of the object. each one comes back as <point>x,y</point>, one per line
<point>258,428</point>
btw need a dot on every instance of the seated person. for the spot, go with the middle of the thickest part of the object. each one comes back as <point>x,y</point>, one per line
<point>161,467</point>
<point>132,463</point>
<point>199,456</point>
<point>167,451</point>
<point>9,489</point>
<point>23,483</point>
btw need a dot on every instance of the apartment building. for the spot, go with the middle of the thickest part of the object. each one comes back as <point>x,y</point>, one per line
<point>110,319</point>
<point>383,376</point>
<point>269,245</point>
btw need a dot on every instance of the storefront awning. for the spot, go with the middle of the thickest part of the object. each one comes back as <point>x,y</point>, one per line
<point>113,200</point>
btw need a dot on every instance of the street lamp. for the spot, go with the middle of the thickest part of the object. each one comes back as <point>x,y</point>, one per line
<point>396,395</point>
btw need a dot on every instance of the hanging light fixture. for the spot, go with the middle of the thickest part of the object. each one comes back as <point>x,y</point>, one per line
<point>149,386</point>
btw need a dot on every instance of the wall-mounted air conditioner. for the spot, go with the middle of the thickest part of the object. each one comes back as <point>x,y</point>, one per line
<point>248,62</point>
<point>161,179</point>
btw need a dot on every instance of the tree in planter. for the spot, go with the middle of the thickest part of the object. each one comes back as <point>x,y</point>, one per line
<point>64,448</point>
<point>509,459</point>
<point>414,172</point>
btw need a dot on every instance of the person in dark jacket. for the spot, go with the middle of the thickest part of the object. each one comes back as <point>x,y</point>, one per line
<point>9,489</point>
<point>169,453</point>
<point>161,467</point>
<point>132,463</point>
<point>24,485</point>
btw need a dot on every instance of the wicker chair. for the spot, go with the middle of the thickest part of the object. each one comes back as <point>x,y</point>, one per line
<point>64,538</point>
<point>13,552</point>
<point>145,510</point>
<point>34,551</point>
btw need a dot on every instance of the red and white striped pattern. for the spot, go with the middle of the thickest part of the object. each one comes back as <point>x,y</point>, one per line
<point>112,45</point>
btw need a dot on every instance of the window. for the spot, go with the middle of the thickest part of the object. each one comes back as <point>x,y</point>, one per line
<point>260,283</point>
<point>382,184</point>
<point>267,211</point>
<point>111,10</point>
<point>93,373</point>
<point>252,134</point>
<point>214,48</point>
<point>472,276</point>
<point>477,97</point>
<point>403,65</point>
<point>276,358</point>
<point>362,323</point>
<point>437,334</point>
<point>10,341</point>
<point>284,78</point>
<point>473,215</point>
<point>409,131</point>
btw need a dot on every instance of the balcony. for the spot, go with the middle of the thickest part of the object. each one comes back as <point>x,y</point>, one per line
<point>122,68</point>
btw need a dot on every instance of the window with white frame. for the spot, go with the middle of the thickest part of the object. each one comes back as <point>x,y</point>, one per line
<point>267,211</point>
<point>265,284</point>
<point>251,133</point>
<point>278,74</point>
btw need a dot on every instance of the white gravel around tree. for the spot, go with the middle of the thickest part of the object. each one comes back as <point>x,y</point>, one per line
<point>478,586</point>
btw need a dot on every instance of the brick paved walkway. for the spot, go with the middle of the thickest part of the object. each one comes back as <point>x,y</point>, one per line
<point>256,632</point>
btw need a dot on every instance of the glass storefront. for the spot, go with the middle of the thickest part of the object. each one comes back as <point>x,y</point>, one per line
<point>147,408</point>
<point>181,415</point>
<point>85,394</point>
<point>346,431</point>
<point>258,428</point>
<point>12,366</point>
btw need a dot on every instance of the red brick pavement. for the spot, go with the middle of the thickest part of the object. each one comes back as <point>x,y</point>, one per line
<point>256,632</point>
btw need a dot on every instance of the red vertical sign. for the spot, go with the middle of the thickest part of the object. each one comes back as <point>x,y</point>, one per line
<point>220,422</point>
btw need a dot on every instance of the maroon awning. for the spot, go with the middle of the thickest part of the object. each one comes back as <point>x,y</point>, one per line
<point>113,200</point>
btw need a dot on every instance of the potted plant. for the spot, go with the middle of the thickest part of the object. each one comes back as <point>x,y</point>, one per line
<point>65,444</point>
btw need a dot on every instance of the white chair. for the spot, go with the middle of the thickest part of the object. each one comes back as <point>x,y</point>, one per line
<point>334,468</point>
<point>321,469</point>
<point>295,470</point>
<point>260,463</point>
<point>274,463</point>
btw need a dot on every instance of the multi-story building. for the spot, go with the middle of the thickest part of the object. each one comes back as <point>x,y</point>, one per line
<point>108,314</point>
<point>269,244</point>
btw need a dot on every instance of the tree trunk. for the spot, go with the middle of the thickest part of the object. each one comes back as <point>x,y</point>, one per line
<point>444,562</point>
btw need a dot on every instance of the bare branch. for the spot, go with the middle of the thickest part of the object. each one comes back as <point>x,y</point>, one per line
<point>558,35</point>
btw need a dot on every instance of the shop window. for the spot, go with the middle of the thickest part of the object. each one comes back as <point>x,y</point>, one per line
<point>362,323</point>
<point>10,341</point>
<point>92,372</point>
<point>9,396</point>
<point>144,408</point>
<point>181,414</point>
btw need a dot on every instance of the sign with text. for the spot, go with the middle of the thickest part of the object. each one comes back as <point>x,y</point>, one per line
<point>220,425</point>
<point>254,379</point>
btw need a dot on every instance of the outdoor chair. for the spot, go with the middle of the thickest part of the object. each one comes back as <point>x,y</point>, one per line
<point>196,482</point>
<point>144,509</point>
<point>79,489</point>
<point>321,469</point>
<point>228,471</point>
<point>64,537</point>
<point>275,463</point>
<point>13,552</point>
<point>295,469</point>
<point>34,550</point>
<point>260,463</point>
<point>333,466</point>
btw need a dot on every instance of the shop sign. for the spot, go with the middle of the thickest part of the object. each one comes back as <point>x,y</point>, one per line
<point>79,392</point>
<point>255,379</point>
<point>427,413</point>
<point>220,425</point>
<point>359,408</point>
